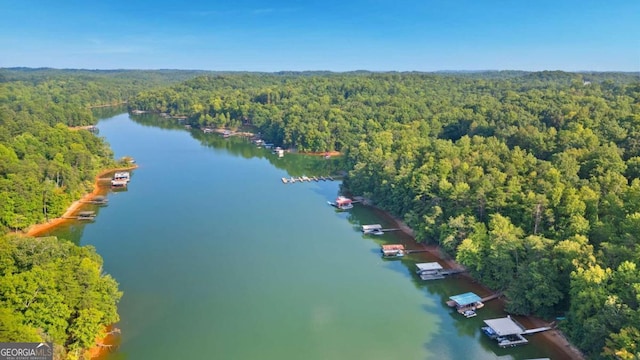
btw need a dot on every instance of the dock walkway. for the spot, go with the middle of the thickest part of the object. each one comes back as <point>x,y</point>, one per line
<point>536,330</point>
<point>301,179</point>
<point>491,297</point>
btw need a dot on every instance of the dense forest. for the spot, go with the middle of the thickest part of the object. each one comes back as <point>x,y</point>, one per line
<point>53,290</point>
<point>50,289</point>
<point>529,179</point>
<point>45,165</point>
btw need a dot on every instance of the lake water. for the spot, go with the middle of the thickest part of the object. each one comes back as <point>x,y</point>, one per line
<point>218,259</point>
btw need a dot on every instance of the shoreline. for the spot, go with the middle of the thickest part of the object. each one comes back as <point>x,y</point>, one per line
<point>322,153</point>
<point>105,344</point>
<point>553,336</point>
<point>108,105</point>
<point>37,229</point>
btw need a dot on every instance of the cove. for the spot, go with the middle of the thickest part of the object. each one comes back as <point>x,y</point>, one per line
<point>218,259</point>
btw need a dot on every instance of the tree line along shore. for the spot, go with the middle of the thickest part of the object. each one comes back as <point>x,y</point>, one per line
<point>530,180</point>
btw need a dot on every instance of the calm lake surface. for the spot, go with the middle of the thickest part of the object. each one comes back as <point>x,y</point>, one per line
<point>220,260</point>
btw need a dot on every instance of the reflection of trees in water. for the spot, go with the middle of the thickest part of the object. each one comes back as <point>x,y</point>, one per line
<point>108,111</point>
<point>154,120</point>
<point>294,164</point>
<point>72,231</point>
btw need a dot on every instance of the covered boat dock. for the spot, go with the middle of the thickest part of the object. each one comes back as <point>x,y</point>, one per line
<point>393,250</point>
<point>375,229</point>
<point>466,303</point>
<point>430,271</point>
<point>342,203</point>
<point>506,331</point>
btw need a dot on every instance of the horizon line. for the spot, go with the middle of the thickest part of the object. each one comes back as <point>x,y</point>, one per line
<point>320,71</point>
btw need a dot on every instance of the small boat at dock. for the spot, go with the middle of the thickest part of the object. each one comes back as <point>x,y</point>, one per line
<point>285,180</point>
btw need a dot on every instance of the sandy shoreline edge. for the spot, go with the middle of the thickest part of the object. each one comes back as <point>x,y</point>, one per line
<point>99,349</point>
<point>38,229</point>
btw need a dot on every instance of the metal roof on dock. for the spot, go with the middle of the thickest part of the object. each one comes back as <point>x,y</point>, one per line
<point>466,299</point>
<point>429,266</point>
<point>371,227</point>
<point>504,326</point>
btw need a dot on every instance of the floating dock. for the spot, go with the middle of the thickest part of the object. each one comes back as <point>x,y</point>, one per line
<point>83,215</point>
<point>305,178</point>
<point>98,200</point>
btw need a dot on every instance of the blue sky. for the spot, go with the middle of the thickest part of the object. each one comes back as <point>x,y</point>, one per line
<point>378,35</point>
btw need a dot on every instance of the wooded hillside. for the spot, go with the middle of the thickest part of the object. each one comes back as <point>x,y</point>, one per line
<point>51,289</point>
<point>528,179</point>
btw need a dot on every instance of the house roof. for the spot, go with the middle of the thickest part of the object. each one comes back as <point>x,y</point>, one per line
<point>429,266</point>
<point>465,299</point>
<point>504,326</point>
<point>343,200</point>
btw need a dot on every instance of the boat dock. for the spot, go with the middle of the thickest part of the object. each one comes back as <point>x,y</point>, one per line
<point>98,200</point>
<point>466,304</point>
<point>376,229</point>
<point>295,179</point>
<point>120,179</point>
<point>434,271</point>
<point>508,332</point>
<point>83,215</point>
<point>393,251</point>
<point>416,251</point>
